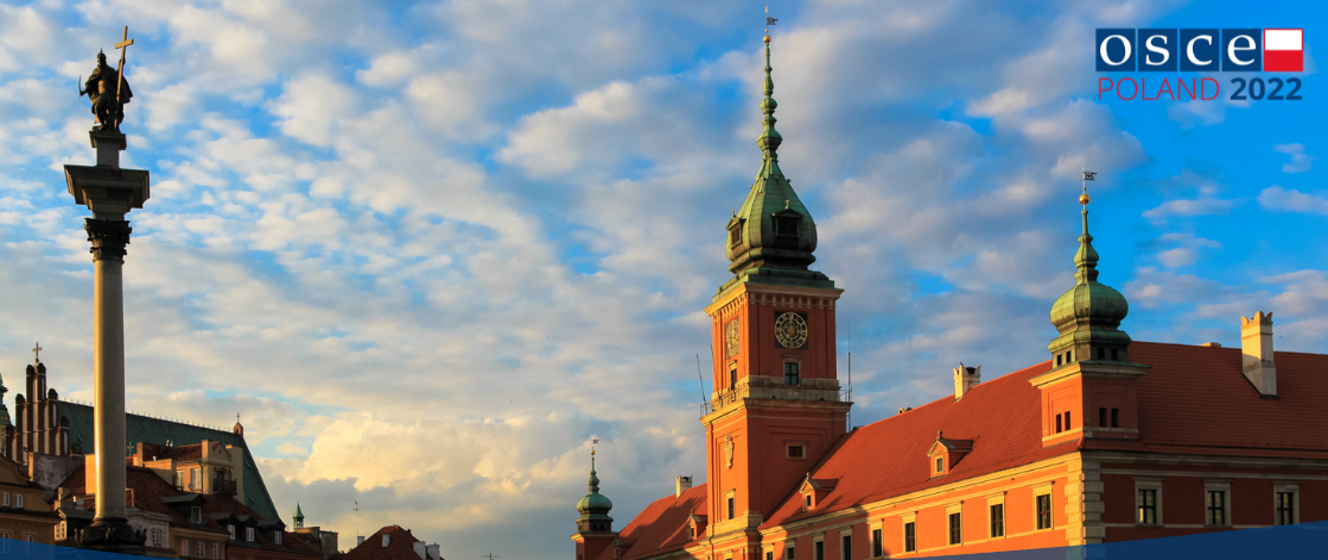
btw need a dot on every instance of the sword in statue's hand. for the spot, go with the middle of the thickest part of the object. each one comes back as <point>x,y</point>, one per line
<point>81,91</point>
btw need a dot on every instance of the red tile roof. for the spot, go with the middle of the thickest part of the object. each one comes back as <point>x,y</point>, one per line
<point>1195,400</point>
<point>663,526</point>
<point>400,546</point>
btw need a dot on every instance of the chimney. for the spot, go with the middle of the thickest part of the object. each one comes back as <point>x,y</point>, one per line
<point>965,378</point>
<point>1256,345</point>
<point>420,550</point>
<point>684,483</point>
<point>386,539</point>
<point>359,540</point>
<point>433,552</point>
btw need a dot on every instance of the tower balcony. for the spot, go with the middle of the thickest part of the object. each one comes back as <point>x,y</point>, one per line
<point>726,398</point>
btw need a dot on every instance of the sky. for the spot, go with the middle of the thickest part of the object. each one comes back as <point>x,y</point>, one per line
<point>372,223</point>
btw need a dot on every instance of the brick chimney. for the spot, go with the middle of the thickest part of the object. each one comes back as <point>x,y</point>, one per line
<point>1256,346</point>
<point>965,378</point>
<point>684,483</point>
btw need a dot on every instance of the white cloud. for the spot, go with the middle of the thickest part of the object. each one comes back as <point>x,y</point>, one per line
<point>1300,161</point>
<point>1290,200</point>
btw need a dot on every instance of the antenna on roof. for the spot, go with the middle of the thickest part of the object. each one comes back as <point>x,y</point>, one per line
<point>357,521</point>
<point>701,378</point>
<point>850,369</point>
<point>490,555</point>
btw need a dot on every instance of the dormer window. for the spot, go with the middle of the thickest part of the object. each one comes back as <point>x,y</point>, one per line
<point>231,529</point>
<point>807,501</point>
<point>195,515</point>
<point>940,465</point>
<point>787,226</point>
<point>249,534</point>
<point>276,537</point>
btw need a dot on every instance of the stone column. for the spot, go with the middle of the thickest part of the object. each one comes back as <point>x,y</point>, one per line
<point>110,192</point>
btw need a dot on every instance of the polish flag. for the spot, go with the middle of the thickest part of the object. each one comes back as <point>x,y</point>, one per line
<point>1283,50</point>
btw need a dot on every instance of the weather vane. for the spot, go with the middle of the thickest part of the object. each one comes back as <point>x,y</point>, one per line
<point>593,442</point>
<point>1088,176</point>
<point>769,21</point>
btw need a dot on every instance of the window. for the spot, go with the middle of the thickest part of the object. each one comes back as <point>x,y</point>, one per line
<point>60,530</point>
<point>730,506</point>
<point>846,548</point>
<point>820,550</point>
<point>1147,501</point>
<point>202,550</point>
<point>1115,417</point>
<point>956,529</point>
<point>195,514</point>
<point>807,501</point>
<point>796,452</point>
<point>1101,353</point>
<point>877,548</point>
<point>1102,417</point>
<point>28,540</point>
<point>997,520</point>
<point>1114,354</point>
<point>1285,502</point>
<point>231,529</point>
<point>1067,420</point>
<point>249,534</point>
<point>786,226</point>
<point>733,376</point>
<point>6,499</point>
<point>791,373</point>
<point>1217,507</point>
<point>1059,429</point>
<point>735,234</point>
<point>193,479</point>
<point>940,465</point>
<point>276,537</point>
<point>18,501</point>
<point>216,551</point>
<point>1044,511</point>
<point>910,537</point>
<point>788,552</point>
<point>769,555</point>
<point>1102,420</point>
<point>4,542</point>
<point>184,548</point>
<point>158,537</point>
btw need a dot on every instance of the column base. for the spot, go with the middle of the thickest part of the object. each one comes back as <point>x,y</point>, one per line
<point>112,535</point>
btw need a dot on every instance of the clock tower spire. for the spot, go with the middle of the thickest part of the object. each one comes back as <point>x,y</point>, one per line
<point>777,406</point>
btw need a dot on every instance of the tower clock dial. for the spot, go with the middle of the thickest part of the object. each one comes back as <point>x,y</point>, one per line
<point>732,337</point>
<point>791,330</point>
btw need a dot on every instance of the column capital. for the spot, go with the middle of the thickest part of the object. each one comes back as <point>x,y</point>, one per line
<point>109,238</point>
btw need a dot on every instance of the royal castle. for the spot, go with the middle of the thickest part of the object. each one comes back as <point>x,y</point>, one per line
<point>1108,440</point>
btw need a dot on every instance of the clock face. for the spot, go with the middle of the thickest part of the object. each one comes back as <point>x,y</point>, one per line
<point>732,338</point>
<point>791,330</point>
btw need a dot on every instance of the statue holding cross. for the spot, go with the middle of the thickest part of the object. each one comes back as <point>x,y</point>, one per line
<point>108,89</point>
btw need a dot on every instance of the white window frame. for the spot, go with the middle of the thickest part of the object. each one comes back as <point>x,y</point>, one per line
<point>789,550</point>
<point>1294,489</point>
<point>846,533</point>
<point>18,501</point>
<point>1156,485</point>
<point>231,530</point>
<point>184,548</point>
<point>6,499</point>
<point>249,534</point>
<point>276,536</point>
<point>195,514</point>
<point>216,551</point>
<point>818,539</point>
<point>1224,487</point>
<point>202,550</point>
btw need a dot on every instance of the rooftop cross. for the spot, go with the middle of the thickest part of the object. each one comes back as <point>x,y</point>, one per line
<point>123,45</point>
<point>36,352</point>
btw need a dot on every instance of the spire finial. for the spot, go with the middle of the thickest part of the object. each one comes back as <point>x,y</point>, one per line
<point>36,353</point>
<point>1086,259</point>
<point>769,139</point>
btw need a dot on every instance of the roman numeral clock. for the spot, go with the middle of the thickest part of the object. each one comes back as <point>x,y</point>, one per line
<point>791,330</point>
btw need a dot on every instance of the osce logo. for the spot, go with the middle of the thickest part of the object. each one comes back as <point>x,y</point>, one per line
<point>1200,50</point>
<point>1238,51</point>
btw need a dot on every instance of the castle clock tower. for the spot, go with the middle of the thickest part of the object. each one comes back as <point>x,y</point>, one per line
<point>777,405</point>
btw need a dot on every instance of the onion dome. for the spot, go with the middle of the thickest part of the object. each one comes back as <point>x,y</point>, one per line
<point>594,507</point>
<point>1088,316</point>
<point>772,236</point>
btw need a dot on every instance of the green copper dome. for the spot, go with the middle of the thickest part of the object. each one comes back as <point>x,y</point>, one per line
<point>1088,316</point>
<point>772,236</point>
<point>594,507</point>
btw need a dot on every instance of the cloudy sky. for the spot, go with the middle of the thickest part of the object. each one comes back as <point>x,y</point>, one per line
<point>428,250</point>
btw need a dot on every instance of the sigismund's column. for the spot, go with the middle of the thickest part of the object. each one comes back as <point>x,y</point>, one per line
<point>109,192</point>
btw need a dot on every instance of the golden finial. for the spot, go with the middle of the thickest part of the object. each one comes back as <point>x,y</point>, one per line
<point>1088,176</point>
<point>769,21</point>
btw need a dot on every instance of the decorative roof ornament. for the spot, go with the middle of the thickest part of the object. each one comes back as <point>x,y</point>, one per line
<point>594,507</point>
<point>1088,316</point>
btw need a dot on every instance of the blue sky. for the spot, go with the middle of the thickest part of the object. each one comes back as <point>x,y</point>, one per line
<point>428,250</point>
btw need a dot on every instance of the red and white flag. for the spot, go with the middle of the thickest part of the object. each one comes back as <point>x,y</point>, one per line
<point>1283,50</point>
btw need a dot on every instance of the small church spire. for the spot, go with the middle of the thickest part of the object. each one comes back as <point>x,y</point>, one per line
<point>594,507</point>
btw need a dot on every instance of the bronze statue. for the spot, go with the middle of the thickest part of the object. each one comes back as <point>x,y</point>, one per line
<point>102,87</point>
<point>108,89</point>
